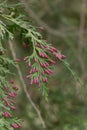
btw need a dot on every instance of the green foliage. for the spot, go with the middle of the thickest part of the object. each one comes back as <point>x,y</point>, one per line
<point>40,62</point>
<point>41,50</point>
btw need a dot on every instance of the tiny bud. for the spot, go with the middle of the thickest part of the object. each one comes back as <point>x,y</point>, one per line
<point>18,60</point>
<point>12,94</point>
<point>13,107</point>
<point>24,45</point>
<point>5,99</point>
<point>39,84</point>
<point>7,103</point>
<point>29,64</point>
<point>35,80</point>
<point>12,81</point>
<point>15,87</point>
<point>63,57</point>
<point>36,44</point>
<point>35,59</point>
<point>31,82</point>
<point>45,80</point>
<point>15,125</point>
<point>60,56</point>
<point>43,72</point>
<point>6,114</point>
<point>27,76</point>
<point>25,58</point>
<point>31,71</point>
<point>36,69</point>
<point>12,101</point>
<point>3,52</point>
<point>7,89</point>
<point>42,28</point>
<point>47,64</point>
<point>52,62</point>
<point>43,47</point>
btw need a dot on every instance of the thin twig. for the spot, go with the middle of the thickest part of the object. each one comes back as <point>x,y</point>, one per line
<point>81,36</point>
<point>80,48</point>
<point>24,86</point>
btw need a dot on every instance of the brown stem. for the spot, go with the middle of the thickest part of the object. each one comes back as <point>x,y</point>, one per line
<point>80,48</point>
<point>81,36</point>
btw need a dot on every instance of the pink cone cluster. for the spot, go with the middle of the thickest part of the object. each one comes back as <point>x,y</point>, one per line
<point>41,67</point>
<point>6,114</point>
<point>3,52</point>
<point>9,101</point>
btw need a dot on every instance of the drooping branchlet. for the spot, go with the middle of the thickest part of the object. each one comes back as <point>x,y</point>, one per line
<point>43,61</point>
<point>9,102</point>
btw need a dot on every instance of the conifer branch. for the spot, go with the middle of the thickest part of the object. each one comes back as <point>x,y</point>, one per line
<point>25,88</point>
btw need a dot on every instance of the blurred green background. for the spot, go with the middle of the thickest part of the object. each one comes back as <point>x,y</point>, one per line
<point>65,23</point>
